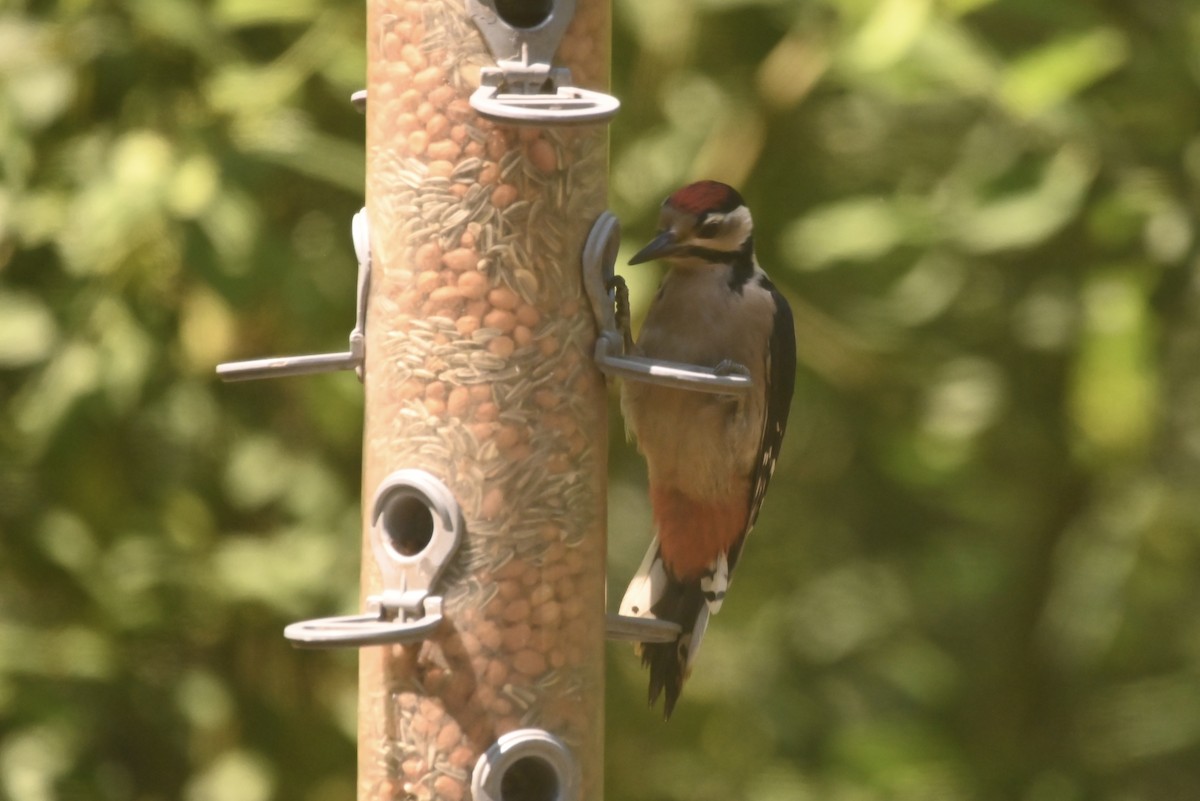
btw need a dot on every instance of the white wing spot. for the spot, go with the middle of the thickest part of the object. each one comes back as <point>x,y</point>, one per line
<point>647,586</point>
<point>716,583</point>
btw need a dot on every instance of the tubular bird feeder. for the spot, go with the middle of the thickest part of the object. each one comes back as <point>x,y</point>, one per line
<point>481,670</point>
<point>484,456</point>
<point>485,300</point>
<point>478,372</point>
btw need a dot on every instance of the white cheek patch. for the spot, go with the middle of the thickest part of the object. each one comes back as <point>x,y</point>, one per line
<point>738,223</point>
<point>716,220</point>
<point>734,228</point>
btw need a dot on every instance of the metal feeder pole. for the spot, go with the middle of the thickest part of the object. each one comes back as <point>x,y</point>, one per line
<point>486,170</point>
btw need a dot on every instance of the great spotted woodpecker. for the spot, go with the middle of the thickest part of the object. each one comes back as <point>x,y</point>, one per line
<point>710,457</point>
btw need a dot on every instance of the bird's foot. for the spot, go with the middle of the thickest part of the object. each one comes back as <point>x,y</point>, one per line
<point>620,290</point>
<point>730,367</point>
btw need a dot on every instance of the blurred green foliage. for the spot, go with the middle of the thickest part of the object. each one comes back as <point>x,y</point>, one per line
<point>977,574</point>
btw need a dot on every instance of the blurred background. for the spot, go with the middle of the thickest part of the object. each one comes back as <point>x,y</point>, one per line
<point>977,576</point>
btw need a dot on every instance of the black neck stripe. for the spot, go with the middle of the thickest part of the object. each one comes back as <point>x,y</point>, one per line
<point>741,260</point>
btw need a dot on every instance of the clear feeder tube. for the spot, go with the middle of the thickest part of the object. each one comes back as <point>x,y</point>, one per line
<point>479,370</point>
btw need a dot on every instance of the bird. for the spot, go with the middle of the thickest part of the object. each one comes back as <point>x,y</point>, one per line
<point>709,457</point>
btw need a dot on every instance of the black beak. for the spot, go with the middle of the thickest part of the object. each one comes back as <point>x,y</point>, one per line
<point>661,245</point>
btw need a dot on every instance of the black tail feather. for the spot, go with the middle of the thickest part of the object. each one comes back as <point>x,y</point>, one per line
<point>667,672</point>
<point>681,603</point>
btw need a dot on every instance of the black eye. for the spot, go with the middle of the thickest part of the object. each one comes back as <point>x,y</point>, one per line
<point>709,229</point>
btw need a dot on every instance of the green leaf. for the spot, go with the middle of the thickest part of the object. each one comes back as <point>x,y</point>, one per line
<point>73,371</point>
<point>855,229</point>
<point>887,34</point>
<point>235,775</point>
<point>28,332</point>
<point>1051,75</point>
<point>1023,220</point>
<point>247,13</point>
<point>1114,397</point>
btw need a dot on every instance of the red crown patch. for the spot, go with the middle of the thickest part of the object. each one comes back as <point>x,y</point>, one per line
<point>705,196</point>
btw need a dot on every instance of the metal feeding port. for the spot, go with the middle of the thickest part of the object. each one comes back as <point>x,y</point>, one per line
<point>352,359</point>
<point>524,88</point>
<point>416,526</point>
<point>615,352</point>
<point>526,765</point>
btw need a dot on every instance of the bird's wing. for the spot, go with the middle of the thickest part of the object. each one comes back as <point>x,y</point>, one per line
<point>781,380</point>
